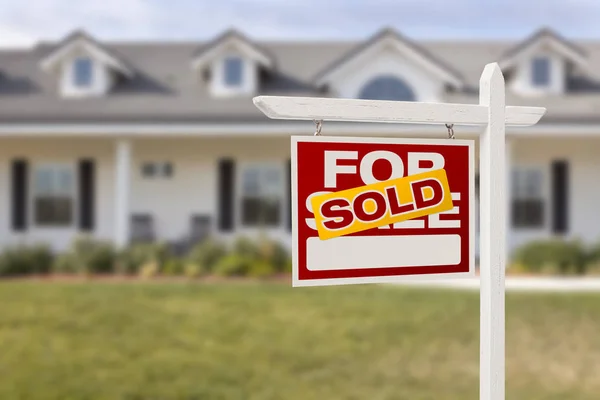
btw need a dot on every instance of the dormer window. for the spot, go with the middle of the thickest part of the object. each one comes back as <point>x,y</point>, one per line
<point>234,65</point>
<point>540,71</point>
<point>82,72</point>
<point>233,71</point>
<point>85,67</point>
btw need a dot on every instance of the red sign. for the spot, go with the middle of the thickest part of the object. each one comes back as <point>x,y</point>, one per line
<point>435,245</point>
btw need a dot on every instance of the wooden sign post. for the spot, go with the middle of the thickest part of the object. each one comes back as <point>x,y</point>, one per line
<point>494,115</point>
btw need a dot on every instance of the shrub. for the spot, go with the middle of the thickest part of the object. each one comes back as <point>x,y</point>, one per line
<point>172,267</point>
<point>260,258</point>
<point>275,254</point>
<point>192,270</point>
<point>22,260</point>
<point>207,254</point>
<point>554,256</point>
<point>65,264</point>
<point>131,259</point>
<point>246,247</point>
<point>261,269</point>
<point>288,266</point>
<point>233,265</point>
<point>88,255</point>
<point>593,269</point>
<point>149,270</point>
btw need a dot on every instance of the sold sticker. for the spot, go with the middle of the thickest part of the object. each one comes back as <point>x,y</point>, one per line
<point>382,203</point>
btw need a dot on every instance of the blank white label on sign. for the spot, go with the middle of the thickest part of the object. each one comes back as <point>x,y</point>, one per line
<point>356,252</point>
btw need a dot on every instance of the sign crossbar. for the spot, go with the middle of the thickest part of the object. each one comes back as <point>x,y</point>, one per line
<point>351,110</point>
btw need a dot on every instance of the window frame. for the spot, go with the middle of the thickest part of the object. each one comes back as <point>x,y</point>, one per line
<point>226,61</point>
<point>534,77</point>
<point>240,195</point>
<point>75,77</point>
<point>543,196</point>
<point>377,79</point>
<point>33,195</point>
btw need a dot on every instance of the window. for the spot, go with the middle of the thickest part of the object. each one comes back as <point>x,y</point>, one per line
<point>233,71</point>
<point>527,198</point>
<point>148,170</point>
<point>157,169</point>
<point>167,169</point>
<point>82,72</point>
<point>387,88</point>
<point>540,72</point>
<point>53,195</point>
<point>262,189</point>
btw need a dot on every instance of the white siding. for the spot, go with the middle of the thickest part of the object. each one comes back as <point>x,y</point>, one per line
<point>584,184</point>
<point>193,188</point>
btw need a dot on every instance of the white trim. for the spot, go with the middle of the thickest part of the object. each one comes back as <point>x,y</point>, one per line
<point>557,130</point>
<point>96,52</point>
<point>36,166</point>
<point>241,45</point>
<point>405,50</point>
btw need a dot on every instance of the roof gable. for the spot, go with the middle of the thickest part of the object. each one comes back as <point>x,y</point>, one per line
<point>412,50</point>
<point>235,39</point>
<point>81,40</point>
<point>549,38</point>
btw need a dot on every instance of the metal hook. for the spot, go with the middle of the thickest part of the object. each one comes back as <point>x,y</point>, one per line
<point>319,125</point>
<point>450,128</point>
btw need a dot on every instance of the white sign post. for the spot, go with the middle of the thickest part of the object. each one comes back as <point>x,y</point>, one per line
<point>494,115</point>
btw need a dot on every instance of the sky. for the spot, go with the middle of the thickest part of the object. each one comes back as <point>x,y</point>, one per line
<point>22,23</point>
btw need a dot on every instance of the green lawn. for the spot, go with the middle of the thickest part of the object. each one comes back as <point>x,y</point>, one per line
<point>131,341</point>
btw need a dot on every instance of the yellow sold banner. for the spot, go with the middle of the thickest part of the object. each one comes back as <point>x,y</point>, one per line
<point>383,203</point>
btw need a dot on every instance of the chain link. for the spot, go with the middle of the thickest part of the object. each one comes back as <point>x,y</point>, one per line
<point>450,128</point>
<point>319,125</point>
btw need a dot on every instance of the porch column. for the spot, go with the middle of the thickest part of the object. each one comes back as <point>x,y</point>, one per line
<point>508,168</point>
<point>122,192</point>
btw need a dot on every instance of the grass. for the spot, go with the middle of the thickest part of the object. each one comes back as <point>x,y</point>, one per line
<point>136,341</point>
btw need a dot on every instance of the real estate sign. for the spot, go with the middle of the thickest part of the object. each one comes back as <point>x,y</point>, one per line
<point>381,209</point>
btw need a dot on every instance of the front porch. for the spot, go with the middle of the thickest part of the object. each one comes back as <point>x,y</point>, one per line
<point>183,188</point>
<point>175,190</point>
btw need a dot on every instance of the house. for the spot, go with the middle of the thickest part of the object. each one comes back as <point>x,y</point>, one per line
<point>162,141</point>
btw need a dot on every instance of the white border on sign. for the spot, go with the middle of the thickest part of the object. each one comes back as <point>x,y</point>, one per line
<point>379,279</point>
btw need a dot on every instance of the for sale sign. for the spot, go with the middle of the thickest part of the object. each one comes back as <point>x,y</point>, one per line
<point>368,210</point>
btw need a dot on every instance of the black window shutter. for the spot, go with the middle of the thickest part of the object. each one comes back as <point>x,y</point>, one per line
<point>226,194</point>
<point>19,173</point>
<point>560,196</point>
<point>87,179</point>
<point>288,191</point>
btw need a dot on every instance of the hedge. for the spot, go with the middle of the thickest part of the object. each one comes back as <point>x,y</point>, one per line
<point>244,257</point>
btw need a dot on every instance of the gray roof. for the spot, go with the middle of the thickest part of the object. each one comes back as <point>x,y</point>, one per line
<point>165,88</point>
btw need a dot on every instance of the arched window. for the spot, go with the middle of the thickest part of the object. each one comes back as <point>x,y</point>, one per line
<point>387,88</point>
